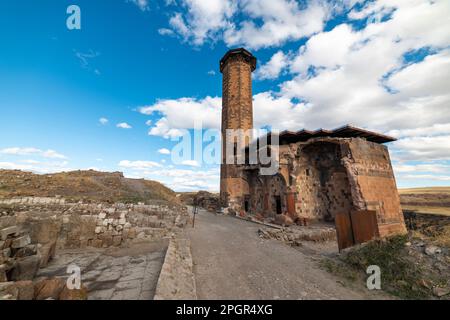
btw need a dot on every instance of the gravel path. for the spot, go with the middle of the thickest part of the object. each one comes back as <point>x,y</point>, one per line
<point>232,262</point>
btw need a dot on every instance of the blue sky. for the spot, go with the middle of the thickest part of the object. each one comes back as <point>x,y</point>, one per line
<point>381,65</point>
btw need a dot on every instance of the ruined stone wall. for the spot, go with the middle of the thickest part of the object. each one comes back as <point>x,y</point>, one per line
<point>322,185</point>
<point>276,187</point>
<point>256,194</point>
<point>376,184</point>
<point>32,230</point>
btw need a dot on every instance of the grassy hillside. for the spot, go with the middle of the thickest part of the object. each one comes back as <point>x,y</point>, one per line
<point>426,200</point>
<point>83,185</point>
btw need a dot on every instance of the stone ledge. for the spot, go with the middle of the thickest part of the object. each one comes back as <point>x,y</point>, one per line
<point>176,280</point>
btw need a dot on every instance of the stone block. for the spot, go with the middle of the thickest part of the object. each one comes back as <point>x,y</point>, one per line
<point>10,231</point>
<point>46,230</point>
<point>3,273</point>
<point>26,268</point>
<point>132,233</point>
<point>7,221</point>
<point>26,290</point>
<point>8,243</point>
<point>97,243</point>
<point>6,253</point>
<point>8,291</point>
<point>47,252</point>
<point>141,235</point>
<point>26,251</point>
<point>21,242</point>
<point>75,294</point>
<point>107,240</point>
<point>117,240</point>
<point>49,289</point>
<point>84,243</point>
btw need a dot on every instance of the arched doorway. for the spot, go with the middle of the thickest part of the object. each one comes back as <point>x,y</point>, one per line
<point>277,194</point>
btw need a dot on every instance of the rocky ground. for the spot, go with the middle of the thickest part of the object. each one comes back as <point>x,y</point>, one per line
<point>115,274</point>
<point>246,258</point>
<point>117,246</point>
<point>88,186</point>
<point>231,261</point>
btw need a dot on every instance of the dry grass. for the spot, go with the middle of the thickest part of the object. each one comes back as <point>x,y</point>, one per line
<point>445,211</point>
<point>433,190</point>
<point>83,185</point>
<point>433,200</point>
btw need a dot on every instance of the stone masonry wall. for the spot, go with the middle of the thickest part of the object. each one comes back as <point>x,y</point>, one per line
<point>377,186</point>
<point>33,229</point>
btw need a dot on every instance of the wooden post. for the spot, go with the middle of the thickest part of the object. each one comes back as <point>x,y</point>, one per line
<point>195,211</point>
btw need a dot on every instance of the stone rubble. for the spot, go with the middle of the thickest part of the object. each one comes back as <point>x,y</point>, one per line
<point>295,235</point>
<point>32,229</point>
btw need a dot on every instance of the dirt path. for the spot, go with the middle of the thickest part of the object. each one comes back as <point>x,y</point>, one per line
<point>232,262</point>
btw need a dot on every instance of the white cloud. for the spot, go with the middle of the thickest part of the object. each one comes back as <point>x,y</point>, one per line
<point>203,19</point>
<point>141,4</point>
<point>345,75</point>
<point>175,178</point>
<point>30,161</point>
<point>426,177</point>
<point>360,77</point>
<point>15,166</point>
<point>190,163</point>
<point>163,128</point>
<point>124,125</point>
<point>422,148</point>
<point>164,151</point>
<point>422,167</point>
<point>103,121</point>
<point>36,166</point>
<point>182,114</point>
<point>273,22</point>
<point>187,179</point>
<point>166,32</point>
<point>211,73</point>
<point>435,129</point>
<point>273,67</point>
<point>33,151</point>
<point>85,59</point>
<point>253,23</point>
<point>139,165</point>
<point>177,23</point>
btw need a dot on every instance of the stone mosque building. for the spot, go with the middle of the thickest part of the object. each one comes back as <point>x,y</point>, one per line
<point>343,175</point>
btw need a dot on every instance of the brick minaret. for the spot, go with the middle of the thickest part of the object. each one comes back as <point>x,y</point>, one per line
<point>237,113</point>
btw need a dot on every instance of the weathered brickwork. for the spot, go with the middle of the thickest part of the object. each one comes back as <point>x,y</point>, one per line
<point>237,113</point>
<point>346,177</point>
